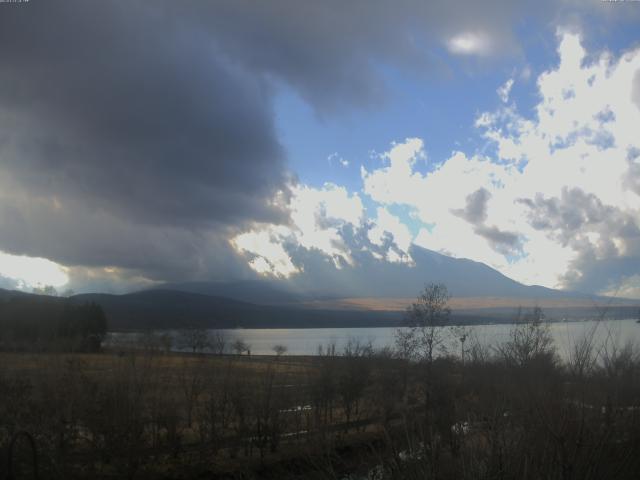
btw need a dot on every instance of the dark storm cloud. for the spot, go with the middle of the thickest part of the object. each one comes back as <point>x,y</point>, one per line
<point>140,135</point>
<point>117,104</point>
<point>332,51</point>
<point>125,141</point>
<point>77,234</point>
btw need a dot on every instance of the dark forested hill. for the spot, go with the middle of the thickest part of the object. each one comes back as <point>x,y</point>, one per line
<point>175,309</point>
<point>39,322</point>
<point>169,309</point>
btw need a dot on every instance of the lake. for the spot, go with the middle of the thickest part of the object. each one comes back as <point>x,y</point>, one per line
<point>306,341</point>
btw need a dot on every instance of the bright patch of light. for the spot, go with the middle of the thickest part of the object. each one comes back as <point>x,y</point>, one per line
<point>317,217</point>
<point>31,272</point>
<point>388,224</point>
<point>470,43</point>
<point>269,256</point>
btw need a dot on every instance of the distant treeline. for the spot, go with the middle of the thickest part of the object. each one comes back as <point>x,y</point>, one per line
<point>45,323</point>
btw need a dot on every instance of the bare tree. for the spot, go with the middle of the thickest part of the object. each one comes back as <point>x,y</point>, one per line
<point>239,346</point>
<point>194,339</point>
<point>354,376</point>
<point>425,319</point>
<point>461,334</point>
<point>279,350</point>
<point>529,340</point>
<point>218,342</point>
<point>582,355</point>
<point>191,378</point>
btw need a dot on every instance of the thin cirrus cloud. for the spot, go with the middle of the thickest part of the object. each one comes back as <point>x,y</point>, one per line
<point>556,202</point>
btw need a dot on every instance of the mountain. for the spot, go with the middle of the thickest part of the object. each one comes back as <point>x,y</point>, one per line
<point>370,278</point>
<point>262,292</point>
<point>370,293</point>
<point>463,278</point>
<point>7,294</point>
<point>172,309</point>
<point>158,309</point>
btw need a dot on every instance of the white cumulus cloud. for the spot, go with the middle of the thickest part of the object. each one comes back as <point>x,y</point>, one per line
<point>557,202</point>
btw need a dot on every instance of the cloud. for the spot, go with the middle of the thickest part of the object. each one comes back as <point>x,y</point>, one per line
<point>475,210</point>
<point>269,255</point>
<point>454,198</point>
<point>396,183</point>
<point>389,232</point>
<point>635,92</point>
<point>334,157</point>
<point>319,217</point>
<point>470,43</point>
<point>333,61</point>
<point>505,89</point>
<point>8,283</point>
<point>129,129</point>
<point>476,213</point>
<point>555,203</point>
<point>126,142</point>
<point>137,139</point>
<point>113,280</point>
<point>153,124</point>
<point>577,158</point>
<point>625,287</point>
<point>506,243</point>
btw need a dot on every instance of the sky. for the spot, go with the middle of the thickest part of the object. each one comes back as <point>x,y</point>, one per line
<point>146,142</point>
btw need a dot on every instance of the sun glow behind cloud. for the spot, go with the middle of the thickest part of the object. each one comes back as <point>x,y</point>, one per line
<point>29,272</point>
<point>470,43</point>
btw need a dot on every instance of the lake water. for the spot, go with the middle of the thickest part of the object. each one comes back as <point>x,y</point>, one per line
<point>306,341</point>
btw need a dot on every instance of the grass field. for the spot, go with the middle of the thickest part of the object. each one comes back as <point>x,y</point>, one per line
<point>514,411</point>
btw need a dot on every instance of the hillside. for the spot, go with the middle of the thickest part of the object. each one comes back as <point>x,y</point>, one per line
<point>382,280</point>
<point>174,309</point>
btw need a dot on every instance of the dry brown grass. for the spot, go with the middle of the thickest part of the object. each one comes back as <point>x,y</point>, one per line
<point>105,364</point>
<point>458,303</point>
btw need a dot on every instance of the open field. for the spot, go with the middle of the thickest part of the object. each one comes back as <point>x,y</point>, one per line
<point>514,411</point>
<point>493,309</point>
<point>90,414</point>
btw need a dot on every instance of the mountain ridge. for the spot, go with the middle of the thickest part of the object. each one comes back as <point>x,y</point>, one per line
<point>463,278</point>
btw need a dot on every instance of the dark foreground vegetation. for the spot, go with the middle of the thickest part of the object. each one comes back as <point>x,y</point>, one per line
<point>423,409</point>
<point>509,412</point>
<point>41,323</point>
